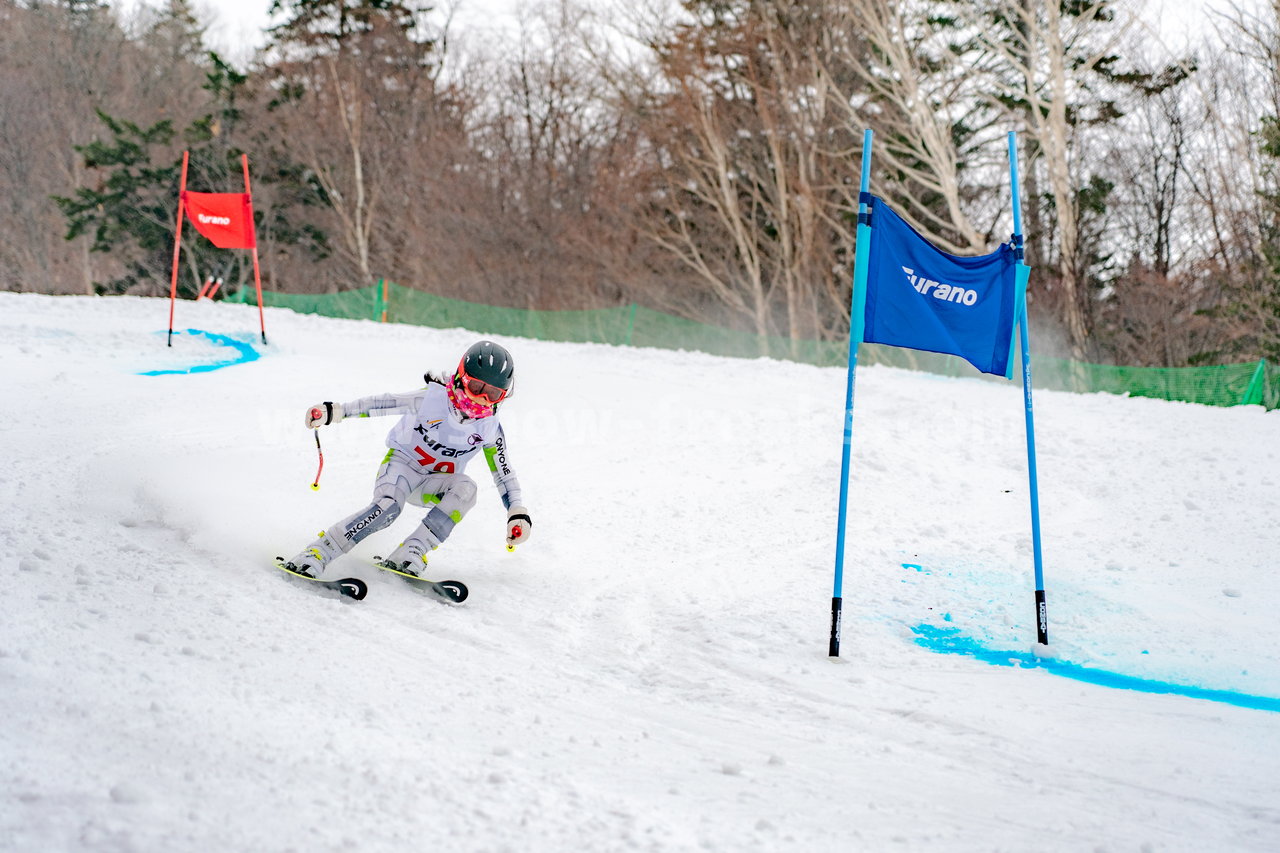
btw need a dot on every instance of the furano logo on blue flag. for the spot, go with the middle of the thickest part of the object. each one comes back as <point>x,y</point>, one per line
<point>920,297</point>
<point>940,291</point>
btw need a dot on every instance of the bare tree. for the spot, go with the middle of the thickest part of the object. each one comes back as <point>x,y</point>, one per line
<point>918,87</point>
<point>558,166</point>
<point>56,66</point>
<point>1047,50</point>
<point>349,76</point>
<point>60,63</point>
<point>749,171</point>
<point>1242,191</point>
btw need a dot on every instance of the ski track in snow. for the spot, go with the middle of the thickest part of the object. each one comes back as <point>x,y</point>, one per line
<point>650,671</point>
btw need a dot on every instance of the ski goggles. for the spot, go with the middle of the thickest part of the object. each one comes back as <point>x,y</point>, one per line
<point>477,389</point>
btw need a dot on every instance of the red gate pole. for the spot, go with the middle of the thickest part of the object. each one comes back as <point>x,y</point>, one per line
<point>257,277</point>
<point>177,245</point>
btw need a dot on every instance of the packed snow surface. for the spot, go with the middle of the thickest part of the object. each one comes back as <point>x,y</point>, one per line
<point>649,671</point>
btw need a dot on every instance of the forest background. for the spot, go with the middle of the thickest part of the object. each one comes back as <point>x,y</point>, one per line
<point>700,158</point>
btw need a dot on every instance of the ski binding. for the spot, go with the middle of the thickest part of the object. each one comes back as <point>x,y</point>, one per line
<point>350,587</point>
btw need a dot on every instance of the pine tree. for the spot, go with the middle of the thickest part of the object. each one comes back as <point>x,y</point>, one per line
<point>132,212</point>
<point>354,83</point>
<point>1051,65</point>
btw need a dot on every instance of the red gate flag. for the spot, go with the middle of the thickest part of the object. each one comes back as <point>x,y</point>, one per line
<point>225,218</point>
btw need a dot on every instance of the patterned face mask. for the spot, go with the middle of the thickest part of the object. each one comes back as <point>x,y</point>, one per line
<point>469,406</point>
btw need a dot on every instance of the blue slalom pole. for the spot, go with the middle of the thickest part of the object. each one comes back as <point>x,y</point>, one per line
<point>1024,271</point>
<point>857,309</point>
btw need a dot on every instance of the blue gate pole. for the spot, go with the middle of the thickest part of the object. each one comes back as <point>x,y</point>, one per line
<point>1042,612</point>
<point>857,310</point>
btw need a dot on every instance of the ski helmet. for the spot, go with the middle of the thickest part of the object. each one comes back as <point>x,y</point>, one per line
<point>484,378</point>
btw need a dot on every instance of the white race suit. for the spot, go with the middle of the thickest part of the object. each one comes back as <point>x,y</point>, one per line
<point>429,447</point>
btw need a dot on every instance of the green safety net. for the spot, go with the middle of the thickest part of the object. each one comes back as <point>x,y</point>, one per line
<point>1250,383</point>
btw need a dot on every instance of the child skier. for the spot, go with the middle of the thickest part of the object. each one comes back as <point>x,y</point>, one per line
<point>442,427</point>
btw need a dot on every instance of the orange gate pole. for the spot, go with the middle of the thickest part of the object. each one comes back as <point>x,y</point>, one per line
<point>177,246</point>
<point>257,276</point>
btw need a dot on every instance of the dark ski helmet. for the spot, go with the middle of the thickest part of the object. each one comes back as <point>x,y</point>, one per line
<point>484,378</point>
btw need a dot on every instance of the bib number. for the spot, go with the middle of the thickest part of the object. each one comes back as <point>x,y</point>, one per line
<point>439,466</point>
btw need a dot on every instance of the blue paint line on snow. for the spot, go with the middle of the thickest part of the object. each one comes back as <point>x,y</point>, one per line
<point>950,641</point>
<point>245,354</point>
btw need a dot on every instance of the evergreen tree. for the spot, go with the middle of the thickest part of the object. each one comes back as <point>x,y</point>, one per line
<point>176,33</point>
<point>1051,65</point>
<point>354,84</point>
<point>132,212</point>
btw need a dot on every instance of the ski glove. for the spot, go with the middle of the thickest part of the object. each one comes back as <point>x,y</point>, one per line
<point>322,414</point>
<point>519,526</point>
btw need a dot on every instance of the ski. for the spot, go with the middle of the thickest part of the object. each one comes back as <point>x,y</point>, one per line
<point>350,587</point>
<point>454,592</point>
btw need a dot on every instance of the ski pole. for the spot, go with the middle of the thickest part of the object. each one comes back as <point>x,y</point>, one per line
<point>315,486</point>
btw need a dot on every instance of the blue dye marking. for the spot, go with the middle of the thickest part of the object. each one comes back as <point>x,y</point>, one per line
<point>950,641</point>
<point>246,353</point>
<point>920,569</point>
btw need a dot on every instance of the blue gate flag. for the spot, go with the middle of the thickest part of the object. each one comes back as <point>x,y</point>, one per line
<point>920,297</point>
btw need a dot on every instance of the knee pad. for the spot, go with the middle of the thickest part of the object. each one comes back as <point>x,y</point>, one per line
<point>461,493</point>
<point>454,501</point>
<point>395,490</point>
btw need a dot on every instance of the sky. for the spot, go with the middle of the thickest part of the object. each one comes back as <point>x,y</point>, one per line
<point>649,671</point>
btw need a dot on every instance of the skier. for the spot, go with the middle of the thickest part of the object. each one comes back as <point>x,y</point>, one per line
<point>441,428</point>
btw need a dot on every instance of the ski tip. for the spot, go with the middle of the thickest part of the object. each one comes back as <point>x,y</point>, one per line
<point>455,591</point>
<point>353,588</point>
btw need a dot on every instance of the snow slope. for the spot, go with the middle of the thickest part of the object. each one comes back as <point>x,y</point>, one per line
<point>649,672</point>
